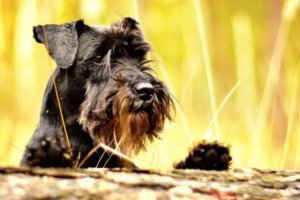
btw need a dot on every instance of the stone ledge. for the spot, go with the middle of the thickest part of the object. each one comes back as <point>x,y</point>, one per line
<point>37,183</point>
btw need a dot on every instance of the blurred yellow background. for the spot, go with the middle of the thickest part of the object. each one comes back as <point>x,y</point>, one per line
<point>232,65</point>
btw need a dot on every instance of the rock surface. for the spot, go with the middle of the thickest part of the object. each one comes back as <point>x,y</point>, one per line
<point>35,183</point>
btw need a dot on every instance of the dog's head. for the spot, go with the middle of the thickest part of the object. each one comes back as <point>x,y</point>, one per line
<point>124,103</point>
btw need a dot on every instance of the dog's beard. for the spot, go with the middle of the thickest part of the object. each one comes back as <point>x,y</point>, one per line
<point>128,124</point>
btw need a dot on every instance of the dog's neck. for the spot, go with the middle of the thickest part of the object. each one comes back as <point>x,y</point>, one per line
<point>70,96</point>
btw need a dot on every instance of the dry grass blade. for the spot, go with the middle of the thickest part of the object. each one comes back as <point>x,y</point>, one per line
<point>297,159</point>
<point>245,52</point>
<point>55,87</point>
<point>179,110</point>
<point>271,85</point>
<point>102,155</point>
<point>108,149</point>
<point>136,9</point>
<point>291,122</point>
<point>12,144</point>
<point>216,114</point>
<point>188,85</point>
<point>115,152</point>
<point>206,57</point>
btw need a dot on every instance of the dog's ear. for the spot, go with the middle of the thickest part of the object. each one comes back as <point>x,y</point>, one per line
<point>61,41</point>
<point>126,23</point>
<point>129,23</point>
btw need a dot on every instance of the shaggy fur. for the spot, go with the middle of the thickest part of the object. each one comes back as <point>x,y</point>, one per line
<point>114,112</point>
<point>108,95</point>
<point>208,156</point>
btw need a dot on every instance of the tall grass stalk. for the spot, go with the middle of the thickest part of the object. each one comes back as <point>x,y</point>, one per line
<point>297,157</point>
<point>58,99</point>
<point>289,139</point>
<point>207,64</point>
<point>188,85</point>
<point>271,85</point>
<point>216,114</point>
<point>179,111</point>
<point>136,9</point>
<point>245,60</point>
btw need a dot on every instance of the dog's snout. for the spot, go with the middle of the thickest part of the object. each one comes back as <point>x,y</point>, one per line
<point>144,90</point>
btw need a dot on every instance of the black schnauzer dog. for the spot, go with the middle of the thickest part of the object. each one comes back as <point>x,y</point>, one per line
<point>107,95</point>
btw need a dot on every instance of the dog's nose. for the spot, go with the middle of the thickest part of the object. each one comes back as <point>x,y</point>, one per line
<point>144,90</point>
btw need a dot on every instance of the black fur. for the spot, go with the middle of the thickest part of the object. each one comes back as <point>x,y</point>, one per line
<point>107,95</point>
<point>208,156</point>
<point>66,44</point>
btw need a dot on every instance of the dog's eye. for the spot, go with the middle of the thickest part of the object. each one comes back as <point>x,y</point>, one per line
<point>97,59</point>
